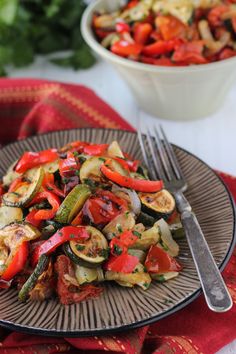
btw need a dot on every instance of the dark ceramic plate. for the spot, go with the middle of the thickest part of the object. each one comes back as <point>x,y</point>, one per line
<point>121,308</point>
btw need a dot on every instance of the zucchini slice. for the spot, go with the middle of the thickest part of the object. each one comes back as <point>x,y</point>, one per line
<point>145,219</point>
<point>167,241</point>
<point>32,280</point>
<point>25,193</point>
<point>177,231</point>
<point>75,259</point>
<point>159,205</point>
<point>94,250</point>
<point>90,170</point>
<point>120,223</point>
<point>9,215</point>
<point>73,203</point>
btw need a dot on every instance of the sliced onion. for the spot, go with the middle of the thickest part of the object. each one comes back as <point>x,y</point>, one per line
<point>134,199</point>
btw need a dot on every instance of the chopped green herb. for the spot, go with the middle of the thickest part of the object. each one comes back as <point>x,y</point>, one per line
<point>65,180</point>
<point>146,285</point>
<point>80,247</point>
<point>145,269</point>
<point>75,153</point>
<point>82,159</point>
<point>117,250</point>
<point>119,228</point>
<point>77,173</point>
<point>127,214</point>
<point>101,159</point>
<point>104,252</point>
<point>90,182</point>
<point>135,270</point>
<point>49,188</point>
<point>60,233</point>
<point>160,278</point>
<point>72,235</point>
<point>136,233</point>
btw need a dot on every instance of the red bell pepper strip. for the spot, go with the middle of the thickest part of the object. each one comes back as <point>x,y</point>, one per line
<point>48,184</point>
<point>129,182</point>
<point>17,263</point>
<point>158,261</point>
<point>68,166</point>
<point>2,191</point>
<point>142,32</point>
<point>122,27</point>
<point>132,4</point>
<point>227,53</point>
<point>190,53</point>
<point>160,47</point>
<point>125,263</point>
<point>170,27</point>
<point>125,49</point>
<point>155,61</point>
<point>63,235</point>
<point>30,218</point>
<point>53,200</point>
<point>32,159</point>
<point>128,165</point>
<point>95,149</point>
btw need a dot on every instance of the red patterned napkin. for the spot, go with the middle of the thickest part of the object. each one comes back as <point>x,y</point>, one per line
<point>34,106</point>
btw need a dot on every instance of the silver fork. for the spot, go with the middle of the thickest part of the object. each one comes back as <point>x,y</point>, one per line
<point>163,164</point>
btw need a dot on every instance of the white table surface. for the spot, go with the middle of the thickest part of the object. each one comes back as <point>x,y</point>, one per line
<point>213,139</point>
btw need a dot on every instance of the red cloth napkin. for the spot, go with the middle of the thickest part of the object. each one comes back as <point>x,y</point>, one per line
<point>34,106</point>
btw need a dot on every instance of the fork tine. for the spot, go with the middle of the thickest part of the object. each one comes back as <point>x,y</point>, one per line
<point>156,160</point>
<point>171,155</point>
<point>146,160</point>
<point>163,155</point>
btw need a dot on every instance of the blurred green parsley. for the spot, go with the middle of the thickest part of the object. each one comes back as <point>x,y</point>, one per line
<point>30,27</point>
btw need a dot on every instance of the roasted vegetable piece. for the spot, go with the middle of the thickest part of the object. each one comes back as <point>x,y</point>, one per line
<point>136,277</point>
<point>158,205</point>
<point>9,215</point>
<point>164,277</point>
<point>61,236</point>
<point>53,200</point>
<point>11,175</point>
<point>120,223</point>
<point>69,292</point>
<point>32,280</point>
<point>101,208</point>
<point>23,194</point>
<point>72,204</point>
<point>32,159</point>
<point>77,260</point>
<point>125,263</point>
<point>128,182</point>
<point>88,275</point>
<point>114,150</point>
<point>92,250</point>
<point>167,240</point>
<point>148,238</point>
<point>91,169</point>
<point>158,261</point>
<point>15,261</point>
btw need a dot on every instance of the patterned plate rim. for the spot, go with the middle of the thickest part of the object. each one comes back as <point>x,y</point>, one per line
<point>85,333</point>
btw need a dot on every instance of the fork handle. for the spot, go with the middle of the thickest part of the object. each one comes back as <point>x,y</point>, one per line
<point>216,293</point>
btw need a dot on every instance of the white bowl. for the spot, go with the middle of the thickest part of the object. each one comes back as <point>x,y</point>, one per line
<point>179,93</point>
